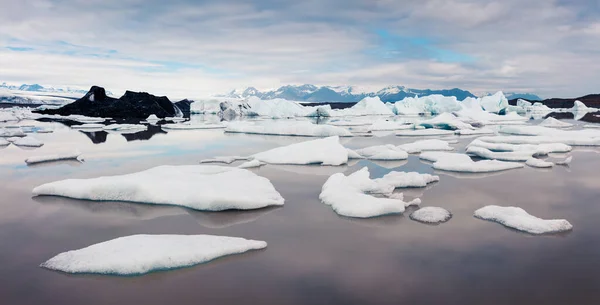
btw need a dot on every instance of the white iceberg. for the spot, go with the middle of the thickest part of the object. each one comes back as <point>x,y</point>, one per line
<point>348,196</point>
<point>455,162</point>
<point>140,254</point>
<point>431,215</point>
<point>520,155</point>
<point>519,219</point>
<point>366,106</point>
<point>327,151</point>
<point>389,155</point>
<point>445,121</point>
<point>425,145</point>
<point>577,140</point>
<point>353,154</point>
<point>191,126</point>
<point>566,161</point>
<point>424,132</point>
<point>251,164</point>
<point>225,159</point>
<point>554,123</point>
<point>27,141</point>
<point>200,187</point>
<point>4,142</point>
<point>535,162</point>
<point>394,180</point>
<point>538,149</point>
<point>287,128</point>
<point>55,157</point>
<point>12,132</point>
<point>494,103</point>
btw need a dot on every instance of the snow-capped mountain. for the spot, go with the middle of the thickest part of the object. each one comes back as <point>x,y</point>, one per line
<point>40,88</point>
<point>347,94</point>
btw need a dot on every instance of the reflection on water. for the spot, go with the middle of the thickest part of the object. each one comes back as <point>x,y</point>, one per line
<point>314,256</point>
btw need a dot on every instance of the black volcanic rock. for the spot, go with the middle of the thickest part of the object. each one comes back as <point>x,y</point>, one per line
<point>591,100</point>
<point>132,105</point>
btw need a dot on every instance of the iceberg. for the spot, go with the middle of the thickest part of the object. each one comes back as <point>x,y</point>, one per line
<point>394,180</point>
<point>519,155</point>
<point>455,162</point>
<point>327,151</point>
<point>191,126</point>
<point>225,159</point>
<point>4,142</point>
<point>446,121</point>
<point>348,196</point>
<point>564,139</point>
<point>11,132</point>
<point>390,125</point>
<point>199,187</point>
<point>566,161</point>
<point>387,152</point>
<point>353,154</point>
<point>424,132</point>
<point>300,128</point>
<point>431,215</point>
<point>141,254</point>
<point>27,141</point>
<point>535,162</point>
<point>538,149</point>
<point>519,219</point>
<point>251,164</point>
<point>55,157</point>
<point>425,145</point>
<point>554,123</point>
<point>494,103</point>
<point>366,106</point>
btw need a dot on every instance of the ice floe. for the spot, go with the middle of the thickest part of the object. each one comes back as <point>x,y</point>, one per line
<point>326,151</point>
<point>455,162</point>
<point>469,132</point>
<point>225,159</point>
<point>535,162</point>
<point>287,128</point>
<point>566,161</point>
<point>573,140</point>
<point>552,122</point>
<point>445,121</point>
<point>55,157</point>
<point>251,164</point>
<point>390,125</point>
<point>140,254</point>
<point>27,141</point>
<point>89,126</point>
<point>519,219</point>
<point>494,103</point>
<point>425,145</point>
<point>431,215</point>
<point>520,155</point>
<point>125,128</point>
<point>191,126</point>
<point>539,149</point>
<point>394,180</point>
<point>200,187</point>
<point>12,132</point>
<point>4,142</point>
<point>424,132</point>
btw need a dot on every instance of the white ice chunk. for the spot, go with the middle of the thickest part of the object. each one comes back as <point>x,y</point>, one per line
<point>251,164</point>
<point>425,145</point>
<point>366,106</point>
<point>519,219</point>
<point>539,149</point>
<point>347,195</point>
<point>152,118</point>
<point>521,155</point>
<point>406,179</point>
<point>140,254</point>
<point>27,141</point>
<point>535,162</point>
<point>300,128</point>
<point>468,132</point>
<point>327,151</point>
<point>446,121</point>
<point>552,122</point>
<point>390,125</point>
<point>566,161</point>
<point>12,132</point>
<point>389,155</point>
<point>191,126</point>
<point>456,162</point>
<point>424,132</point>
<point>200,187</point>
<point>124,127</point>
<point>415,202</point>
<point>494,103</point>
<point>55,157</point>
<point>225,159</point>
<point>431,215</point>
<point>567,140</point>
<point>89,126</point>
<point>353,154</point>
<point>4,142</point>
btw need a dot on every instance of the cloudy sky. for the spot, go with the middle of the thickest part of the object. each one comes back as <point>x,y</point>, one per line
<point>198,47</point>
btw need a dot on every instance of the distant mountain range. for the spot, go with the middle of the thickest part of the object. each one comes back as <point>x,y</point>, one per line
<point>347,94</point>
<point>40,88</point>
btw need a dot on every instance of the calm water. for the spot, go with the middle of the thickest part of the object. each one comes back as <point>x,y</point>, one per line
<point>314,256</point>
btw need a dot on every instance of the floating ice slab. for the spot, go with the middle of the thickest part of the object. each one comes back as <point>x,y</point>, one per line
<point>225,159</point>
<point>140,254</point>
<point>535,162</point>
<point>445,121</point>
<point>390,125</point>
<point>200,187</point>
<point>519,219</point>
<point>4,142</point>
<point>547,131</point>
<point>27,141</point>
<point>347,196</point>
<point>425,145</point>
<point>431,215</point>
<point>406,179</point>
<point>327,151</point>
<point>11,132</point>
<point>191,126</point>
<point>540,149</point>
<point>251,164</point>
<point>353,154</point>
<point>89,126</point>
<point>125,127</point>
<point>456,162</point>
<point>469,132</point>
<point>568,140</point>
<point>55,157</point>
<point>389,155</point>
<point>287,128</point>
<point>424,132</point>
<point>552,122</point>
<point>521,155</point>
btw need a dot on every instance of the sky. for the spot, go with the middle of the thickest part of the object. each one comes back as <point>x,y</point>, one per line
<point>191,48</point>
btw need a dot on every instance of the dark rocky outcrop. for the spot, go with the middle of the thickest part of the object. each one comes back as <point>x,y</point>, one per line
<point>591,100</point>
<point>132,105</point>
